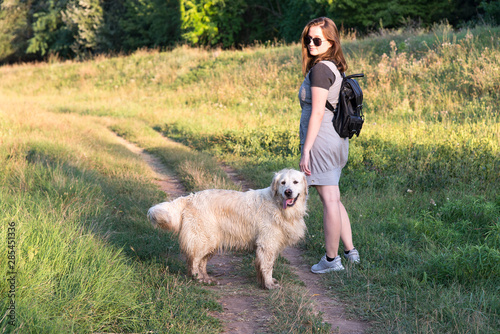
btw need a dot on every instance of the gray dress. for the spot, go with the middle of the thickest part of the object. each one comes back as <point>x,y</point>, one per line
<point>329,152</point>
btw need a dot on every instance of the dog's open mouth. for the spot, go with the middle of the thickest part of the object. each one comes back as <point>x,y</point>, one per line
<point>289,202</point>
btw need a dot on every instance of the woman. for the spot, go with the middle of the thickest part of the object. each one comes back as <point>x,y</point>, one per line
<point>323,152</point>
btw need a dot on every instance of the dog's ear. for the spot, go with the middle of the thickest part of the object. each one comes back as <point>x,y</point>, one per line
<point>304,182</point>
<point>275,183</point>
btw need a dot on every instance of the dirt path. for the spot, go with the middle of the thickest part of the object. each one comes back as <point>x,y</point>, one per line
<point>333,312</point>
<point>243,303</point>
<point>164,178</point>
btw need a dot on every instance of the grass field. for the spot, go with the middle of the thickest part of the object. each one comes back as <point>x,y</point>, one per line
<point>421,184</point>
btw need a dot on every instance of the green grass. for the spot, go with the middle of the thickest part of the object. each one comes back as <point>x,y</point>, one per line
<point>421,184</point>
<point>86,258</point>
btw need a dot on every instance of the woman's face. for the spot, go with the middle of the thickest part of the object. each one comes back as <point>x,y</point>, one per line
<point>315,32</point>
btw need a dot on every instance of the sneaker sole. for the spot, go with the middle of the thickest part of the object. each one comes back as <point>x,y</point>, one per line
<point>324,271</point>
<point>355,261</point>
<point>351,260</point>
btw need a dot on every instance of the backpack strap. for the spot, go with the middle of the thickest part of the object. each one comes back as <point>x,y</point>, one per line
<point>330,107</point>
<point>331,65</point>
<point>328,104</point>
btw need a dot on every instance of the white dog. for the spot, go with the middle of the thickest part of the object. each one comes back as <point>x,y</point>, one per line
<point>267,220</point>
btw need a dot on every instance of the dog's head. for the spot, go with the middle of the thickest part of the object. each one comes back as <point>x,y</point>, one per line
<point>289,186</point>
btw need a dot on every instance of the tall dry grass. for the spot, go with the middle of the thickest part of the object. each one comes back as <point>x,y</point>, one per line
<point>421,185</point>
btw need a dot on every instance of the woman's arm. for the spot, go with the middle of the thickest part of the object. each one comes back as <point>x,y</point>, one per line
<point>318,97</point>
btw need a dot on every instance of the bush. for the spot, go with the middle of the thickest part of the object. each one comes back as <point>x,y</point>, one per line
<point>491,11</point>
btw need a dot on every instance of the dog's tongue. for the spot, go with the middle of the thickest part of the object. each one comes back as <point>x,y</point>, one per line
<point>286,202</point>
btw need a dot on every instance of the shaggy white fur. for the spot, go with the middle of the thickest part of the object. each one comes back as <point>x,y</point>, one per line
<point>265,220</point>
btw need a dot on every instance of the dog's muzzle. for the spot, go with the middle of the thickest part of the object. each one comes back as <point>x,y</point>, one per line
<point>287,202</point>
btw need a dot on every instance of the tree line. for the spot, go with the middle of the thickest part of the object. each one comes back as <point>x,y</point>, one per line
<point>34,29</point>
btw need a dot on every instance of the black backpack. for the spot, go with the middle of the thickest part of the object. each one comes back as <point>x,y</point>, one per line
<point>348,117</point>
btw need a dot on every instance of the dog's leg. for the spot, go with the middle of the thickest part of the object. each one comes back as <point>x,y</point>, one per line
<point>193,268</point>
<point>197,268</point>
<point>264,263</point>
<point>203,269</point>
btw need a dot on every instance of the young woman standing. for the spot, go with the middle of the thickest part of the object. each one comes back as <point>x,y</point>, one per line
<point>323,152</point>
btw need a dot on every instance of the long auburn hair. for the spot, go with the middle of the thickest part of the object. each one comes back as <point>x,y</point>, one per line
<point>334,53</point>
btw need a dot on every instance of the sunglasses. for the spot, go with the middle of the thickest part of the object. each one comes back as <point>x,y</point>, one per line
<point>316,40</point>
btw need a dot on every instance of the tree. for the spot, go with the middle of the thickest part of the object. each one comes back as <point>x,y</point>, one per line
<point>15,30</point>
<point>150,24</point>
<point>46,26</point>
<point>82,23</point>
<point>212,22</point>
<point>491,11</point>
<point>365,15</point>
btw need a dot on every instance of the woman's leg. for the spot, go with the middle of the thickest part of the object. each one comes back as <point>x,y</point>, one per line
<point>336,222</point>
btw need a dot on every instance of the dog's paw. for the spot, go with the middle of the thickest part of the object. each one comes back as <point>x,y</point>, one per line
<point>273,285</point>
<point>208,280</point>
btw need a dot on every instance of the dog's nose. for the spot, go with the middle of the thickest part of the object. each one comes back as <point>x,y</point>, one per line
<point>288,193</point>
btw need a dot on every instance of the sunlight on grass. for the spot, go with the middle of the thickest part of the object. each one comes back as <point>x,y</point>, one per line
<point>86,256</point>
<point>421,185</point>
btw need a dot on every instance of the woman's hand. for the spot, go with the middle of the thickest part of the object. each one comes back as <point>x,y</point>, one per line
<point>304,163</point>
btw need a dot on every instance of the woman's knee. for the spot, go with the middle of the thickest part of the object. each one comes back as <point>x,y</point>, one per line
<point>329,195</point>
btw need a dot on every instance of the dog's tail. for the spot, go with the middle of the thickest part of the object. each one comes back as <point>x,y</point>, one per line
<point>168,215</point>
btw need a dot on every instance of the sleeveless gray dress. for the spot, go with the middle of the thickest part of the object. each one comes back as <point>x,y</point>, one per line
<point>329,152</point>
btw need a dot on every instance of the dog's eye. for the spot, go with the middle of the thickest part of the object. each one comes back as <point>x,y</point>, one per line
<point>295,182</point>
<point>283,182</point>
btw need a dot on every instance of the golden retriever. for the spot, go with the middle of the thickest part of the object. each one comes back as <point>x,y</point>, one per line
<point>265,220</point>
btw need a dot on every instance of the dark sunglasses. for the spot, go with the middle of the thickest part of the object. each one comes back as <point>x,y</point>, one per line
<point>316,40</point>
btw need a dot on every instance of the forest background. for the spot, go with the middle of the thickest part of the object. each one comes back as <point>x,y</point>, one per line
<point>36,29</point>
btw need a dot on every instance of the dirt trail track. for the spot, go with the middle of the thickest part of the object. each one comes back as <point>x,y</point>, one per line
<point>243,304</point>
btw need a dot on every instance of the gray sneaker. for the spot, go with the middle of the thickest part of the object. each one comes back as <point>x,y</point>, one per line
<point>323,266</point>
<point>352,256</point>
